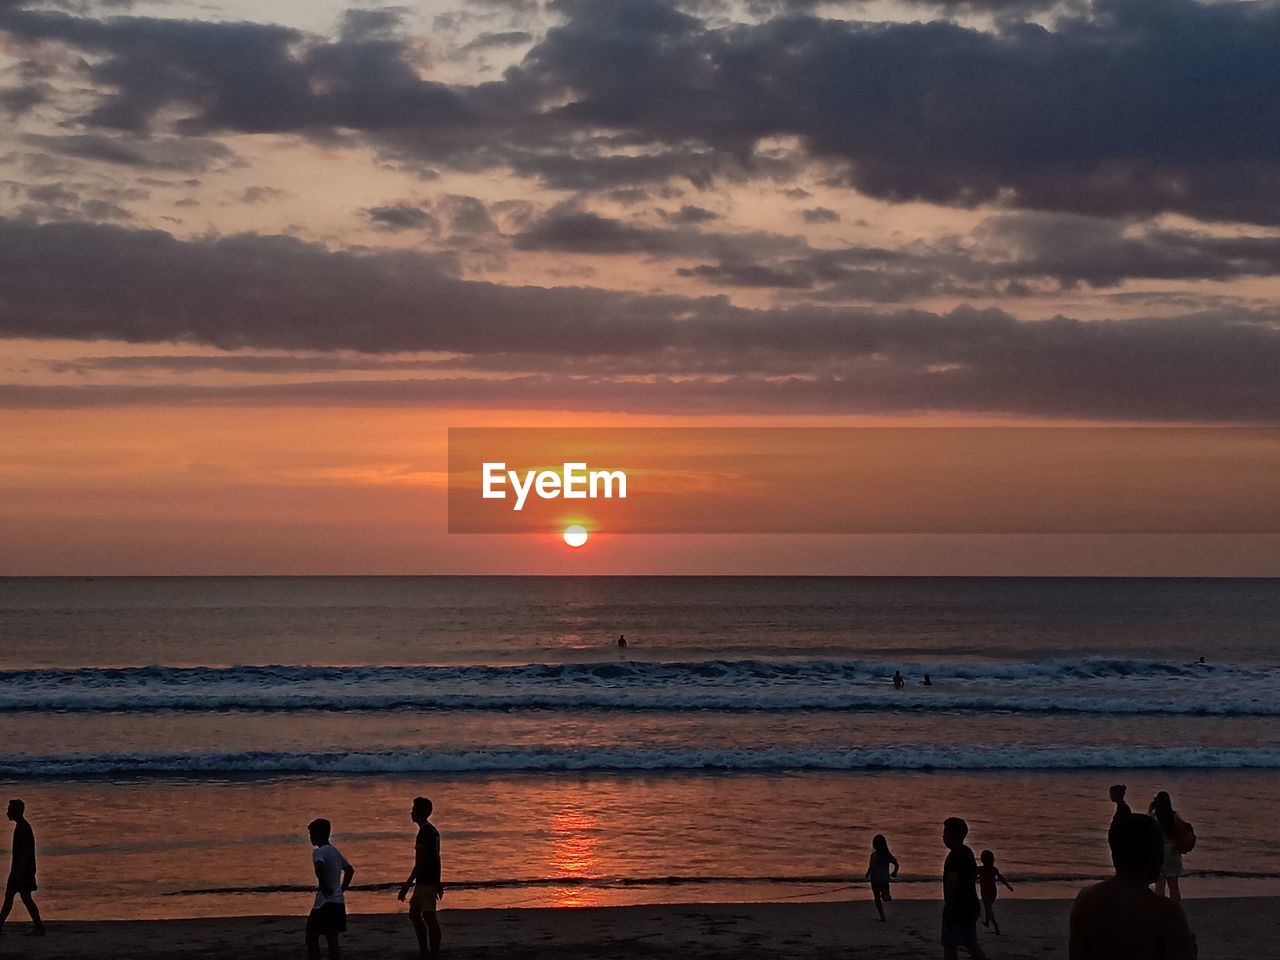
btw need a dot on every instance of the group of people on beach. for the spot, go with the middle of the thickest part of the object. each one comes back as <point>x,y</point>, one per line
<point>1117,919</point>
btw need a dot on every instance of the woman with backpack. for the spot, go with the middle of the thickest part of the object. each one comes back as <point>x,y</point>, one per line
<point>1179,838</point>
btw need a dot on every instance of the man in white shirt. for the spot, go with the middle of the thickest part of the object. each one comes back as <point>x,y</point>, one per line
<point>333,876</point>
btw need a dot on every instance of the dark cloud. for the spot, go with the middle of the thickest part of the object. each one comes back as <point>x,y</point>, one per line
<point>582,232</point>
<point>15,101</point>
<point>489,41</point>
<point>179,154</point>
<point>1013,254</point>
<point>252,291</point>
<point>402,216</point>
<point>690,214</point>
<point>1126,107</point>
<point>820,215</point>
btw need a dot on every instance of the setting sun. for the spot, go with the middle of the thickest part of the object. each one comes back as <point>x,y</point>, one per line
<point>575,535</point>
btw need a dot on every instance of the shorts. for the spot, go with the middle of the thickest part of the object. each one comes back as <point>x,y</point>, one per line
<point>21,885</point>
<point>327,919</point>
<point>960,933</point>
<point>423,898</point>
<point>881,887</point>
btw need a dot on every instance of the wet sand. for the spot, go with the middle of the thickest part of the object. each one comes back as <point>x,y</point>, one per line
<point>1228,929</point>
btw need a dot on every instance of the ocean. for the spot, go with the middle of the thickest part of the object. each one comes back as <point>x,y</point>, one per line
<point>173,736</point>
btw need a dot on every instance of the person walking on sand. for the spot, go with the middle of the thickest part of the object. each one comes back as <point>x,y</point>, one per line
<point>988,877</point>
<point>22,870</point>
<point>1121,918</point>
<point>328,916</point>
<point>879,872</point>
<point>960,908</point>
<point>1178,839</point>
<point>425,881</point>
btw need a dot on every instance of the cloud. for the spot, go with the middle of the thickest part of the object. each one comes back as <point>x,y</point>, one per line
<point>490,41</point>
<point>583,232</point>
<point>177,154</point>
<point>820,215</point>
<point>1123,107</point>
<point>402,216</point>
<point>608,350</point>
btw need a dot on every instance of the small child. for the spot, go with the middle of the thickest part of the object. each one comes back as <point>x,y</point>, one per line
<point>988,876</point>
<point>878,872</point>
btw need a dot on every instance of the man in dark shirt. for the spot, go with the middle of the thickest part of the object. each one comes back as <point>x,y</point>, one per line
<point>960,907</point>
<point>1122,918</point>
<point>22,871</point>
<point>425,881</point>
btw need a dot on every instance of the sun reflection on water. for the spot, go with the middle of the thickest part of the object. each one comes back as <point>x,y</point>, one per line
<point>573,854</point>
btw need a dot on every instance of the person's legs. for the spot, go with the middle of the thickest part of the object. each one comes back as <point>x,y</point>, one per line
<point>949,952</point>
<point>335,948</point>
<point>33,910</point>
<point>875,892</point>
<point>991,916</point>
<point>1175,892</point>
<point>420,928</point>
<point>433,930</point>
<point>313,938</point>
<point>7,908</point>
<point>975,951</point>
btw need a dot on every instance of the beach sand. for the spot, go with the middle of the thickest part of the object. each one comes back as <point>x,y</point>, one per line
<point>1227,929</point>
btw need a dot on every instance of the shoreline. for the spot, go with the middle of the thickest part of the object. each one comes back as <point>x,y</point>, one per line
<point>1227,928</point>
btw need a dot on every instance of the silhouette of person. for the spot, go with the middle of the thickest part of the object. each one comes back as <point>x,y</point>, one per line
<point>1170,823</point>
<point>1121,918</point>
<point>988,877</point>
<point>926,682</point>
<point>960,907</point>
<point>1116,793</point>
<point>22,869</point>
<point>425,881</point>
<point>898,682</point>
<point>878,872</point>
<point>328,916</point>
<point>622,642</point>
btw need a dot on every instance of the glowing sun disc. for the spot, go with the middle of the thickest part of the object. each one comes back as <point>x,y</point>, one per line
<point>575,535</point>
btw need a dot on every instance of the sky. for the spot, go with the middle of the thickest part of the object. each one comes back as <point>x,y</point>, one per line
<point>256,259</point>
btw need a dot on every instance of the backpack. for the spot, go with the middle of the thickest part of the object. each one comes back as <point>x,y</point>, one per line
<point>1184,837</point>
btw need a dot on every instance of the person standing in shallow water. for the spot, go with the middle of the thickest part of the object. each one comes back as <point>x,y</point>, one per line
<point>22,871</point>
<point>425,881</point>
